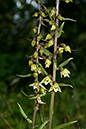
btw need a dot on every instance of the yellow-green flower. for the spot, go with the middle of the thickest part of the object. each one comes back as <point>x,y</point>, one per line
<point>50,22</point>
<point>48,37</point>
<point>35,54</point>
<point>42,89</point>
<point>53,27</point>
<point>67,1</point>
<point>65,72</point>
<point>68,49</point>
<point>43,14</point>
<point>33,43</point>
<point>55,87</point>
<point>47,63</point>
<point>34,30</point>
<point>41,52</point>
<point>52,12</point>
<point>46,80</point>
<point>35,75</point>
<point>39,38</point>
<point>30,62</point>
<point>39,70</point>
<point>39,100</point>
<point>50,43</point>
<point>33,67</point>
<point>60,49</point>
<point>35,14</point>
<point>35,85</point>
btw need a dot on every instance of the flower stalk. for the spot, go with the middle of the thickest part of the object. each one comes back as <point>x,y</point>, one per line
<point>54,68</point>
<point>37,61</point>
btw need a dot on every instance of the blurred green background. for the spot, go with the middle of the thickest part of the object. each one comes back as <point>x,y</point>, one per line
<point>16,25</point>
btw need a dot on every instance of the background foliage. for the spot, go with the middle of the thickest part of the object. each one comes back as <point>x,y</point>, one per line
<point>16,25</point>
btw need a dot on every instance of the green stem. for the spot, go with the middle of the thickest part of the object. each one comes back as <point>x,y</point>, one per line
<point>54,69</point>
<point>37,61</point>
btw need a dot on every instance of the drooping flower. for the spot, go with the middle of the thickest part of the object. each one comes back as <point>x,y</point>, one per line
<point>55,87</point>
<point>33,67</point>
<point>50,43</point>
<point>39,70</point>
<point>46,80</point>
<point>30,62</point>
<point>33,43</point>
<point>35,54</point>
<point>39,100</point>
<point>60,49</point>
<point>65,72</point>
<point>68,49</point>
<point>35,85</point>
<point>48,37</point>
<point>47,63</point>
<point>53,27</point>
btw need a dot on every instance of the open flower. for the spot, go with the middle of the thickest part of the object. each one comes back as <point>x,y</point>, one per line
<point>35,85</point>
<point>47,63</point>
<point>39,70</point>
<point>39,100</point>
<point>55,87</point>
<point>42,89</point>
<point>65,72</point>
<point>46,80</point>
<point>33,67</point>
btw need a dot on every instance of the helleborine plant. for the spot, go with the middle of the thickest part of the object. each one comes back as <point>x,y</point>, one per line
<point>51,19</point>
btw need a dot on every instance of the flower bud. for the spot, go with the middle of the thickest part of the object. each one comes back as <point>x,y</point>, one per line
<point>48,37</point>
<point>35,14</point>
<point>43,14</point>
<point>45,45</point>
<point>59,17</point>
<point>50,43</point>
<point>35,54</point>
<point>34,30</point>
<point>60,49</point>
<point>68,49</point>
<point>30,62</point>
<point>53,27</point>
<point>67,1</point>
<point>35,75</point>
<point>52,13</point>
<point>50,22</point>
<point>41,52</point>
<point>47,63</point>
<point>33,43</point>
<point>39,38</point>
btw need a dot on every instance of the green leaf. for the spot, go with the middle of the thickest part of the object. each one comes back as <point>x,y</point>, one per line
<point>23,114</point>
<point>28,75</point>
<point>25,94</point>
<point>63,84</point>
<point>43,69</point>
<point>46,52</point>
<point>68,19</point>
<point>29,56</point>
<point>44,123</point>
<point>64,125</point>
<point>60,31</point>
<point>64,63</point>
